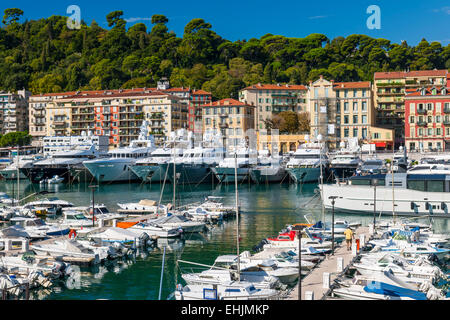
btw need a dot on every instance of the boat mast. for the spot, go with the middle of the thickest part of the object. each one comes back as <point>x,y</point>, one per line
<point>237,215</point>
<point>174,176</point>
<point>392,169</point>
<point>18,177</point>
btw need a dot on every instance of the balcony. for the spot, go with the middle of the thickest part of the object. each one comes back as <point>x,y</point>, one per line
<point>421,123</point>
<point>421,111</point>
<point>446,109</point>
<point>446,122</point>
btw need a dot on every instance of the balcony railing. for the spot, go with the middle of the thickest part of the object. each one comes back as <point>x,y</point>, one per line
<point>421,111</point>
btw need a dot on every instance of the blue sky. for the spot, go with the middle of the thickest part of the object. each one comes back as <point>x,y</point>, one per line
<point>243,19</point>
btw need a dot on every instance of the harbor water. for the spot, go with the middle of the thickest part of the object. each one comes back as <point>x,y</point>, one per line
<point>265,210</point>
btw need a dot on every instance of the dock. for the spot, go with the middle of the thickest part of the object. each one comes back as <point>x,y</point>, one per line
<point>313,284</point>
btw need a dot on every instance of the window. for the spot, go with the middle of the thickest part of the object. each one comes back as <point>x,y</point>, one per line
<point>345,119</point>
<point>355,119</point>
<point>355,106</point>
<point>345,106</point>
<point>346,132</point>
<point>430,106</point>
<point>355,132</point>
<point>364,106</point>
<point>438,119</point>
<point>430,119</point>
<point>364,118</point>
<point>438,131</point>
<point>364,133</point>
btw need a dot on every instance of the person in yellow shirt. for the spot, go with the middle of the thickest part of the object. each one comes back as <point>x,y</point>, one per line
<point>349,235</point>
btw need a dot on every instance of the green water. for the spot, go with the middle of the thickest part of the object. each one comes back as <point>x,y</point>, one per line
<point>265,211</point>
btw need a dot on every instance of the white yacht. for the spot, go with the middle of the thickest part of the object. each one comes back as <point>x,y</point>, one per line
<point>305,164</point>
<point>149,169</point>
<point>195,165</point>
<point>346,160</point>
<point>26,162</point>
<point>246,158</point>
<point>413,194</point>
<point>269,168</point>
<point>117,167</point>
<point>60,163</point>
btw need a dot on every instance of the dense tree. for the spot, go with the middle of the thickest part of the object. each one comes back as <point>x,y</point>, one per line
<point>14,139</point>
<point>45,56</point>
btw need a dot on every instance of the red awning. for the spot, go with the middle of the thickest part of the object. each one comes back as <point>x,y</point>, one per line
<point>380,144</point>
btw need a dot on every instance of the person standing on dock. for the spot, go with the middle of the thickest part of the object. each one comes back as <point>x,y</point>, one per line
<point>349,235</point>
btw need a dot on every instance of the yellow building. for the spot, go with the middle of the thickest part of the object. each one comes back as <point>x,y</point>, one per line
<point>281,143</point>
<point>229,117</point>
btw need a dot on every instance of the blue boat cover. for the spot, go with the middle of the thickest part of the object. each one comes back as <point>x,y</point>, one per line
<point>318,225</point>
<point>390,290</point>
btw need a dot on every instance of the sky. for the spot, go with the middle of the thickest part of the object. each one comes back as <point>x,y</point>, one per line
<point>409,20</point>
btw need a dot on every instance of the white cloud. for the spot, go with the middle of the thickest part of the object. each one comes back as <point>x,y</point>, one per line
<point>446,10</point>
<point>130,20</point>
<point>317,17</point>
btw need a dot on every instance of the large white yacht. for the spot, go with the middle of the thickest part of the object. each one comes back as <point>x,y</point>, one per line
<point>117,167</point>
<point>346,160</point>
<point>304,165</point>
<point>61,163</point>
<point>269,168</point>
<point>149,169</point>
<point>246,158</point>
<point>416,193</point>
<point>10,172</point>
<point>195,165</point>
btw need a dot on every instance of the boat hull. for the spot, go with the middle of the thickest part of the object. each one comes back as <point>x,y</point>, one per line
<point>227,175</point>
<point>149,173</point>
<point>360,199</point>
<point>12,174</point>
<point>112,170</point>
<point>271,175</point>
<point>304,175</point>
<point>37,174</point>
<point>189,173</point>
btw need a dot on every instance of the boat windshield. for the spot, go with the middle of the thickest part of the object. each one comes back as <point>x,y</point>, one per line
<point>306,156</point>
<point>75,217</point>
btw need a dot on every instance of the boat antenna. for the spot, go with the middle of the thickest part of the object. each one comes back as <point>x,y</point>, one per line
<point>174,177</point>
<point>392,170</point>
<point>237,215</point>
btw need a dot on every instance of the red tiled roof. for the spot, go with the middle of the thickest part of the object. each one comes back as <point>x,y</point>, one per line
<point>116,94</point>
<point>276,87</point>
<point>418,93</point>
<point>404,74</point>
<point>225,102</point>
<point>352,85</point>
<point>178,89</point>
<point>200,92</point>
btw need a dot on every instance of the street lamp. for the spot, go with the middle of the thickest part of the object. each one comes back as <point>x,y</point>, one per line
<point>332,198</point>
<point>374,183</point>
<point>93,204</point>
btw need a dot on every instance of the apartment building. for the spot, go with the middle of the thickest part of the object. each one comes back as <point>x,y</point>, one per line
<point>230,117</point>
<point>37,115</point>
<point>389,96</point>
<point>14,111</point>
<point>270,99</point>
<point>427,119</point>
<point>197,99</point>
<point>355,115</point>
<point>117,114</point>
<point>322,108</point>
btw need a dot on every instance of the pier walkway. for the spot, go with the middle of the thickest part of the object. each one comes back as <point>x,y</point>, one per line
<point>313,282</point>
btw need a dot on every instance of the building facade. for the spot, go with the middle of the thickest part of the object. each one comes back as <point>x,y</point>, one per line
<point>117,114</point>
<point>427,119</point>
<point>390,89</point>
<point>229,117</point>
<point>270,99</point>
<point>197,99</point>
<point>14,111</point>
